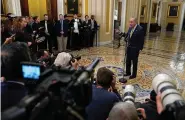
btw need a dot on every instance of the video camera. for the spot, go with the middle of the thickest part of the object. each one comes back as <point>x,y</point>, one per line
<point>53,94</point>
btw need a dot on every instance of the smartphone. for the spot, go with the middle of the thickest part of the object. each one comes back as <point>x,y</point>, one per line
<point>31,71</point>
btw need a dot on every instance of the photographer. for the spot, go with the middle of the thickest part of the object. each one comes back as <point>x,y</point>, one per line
<point>125,111</point>
<point>169,115</point>
<point>65,60</point>
<point>44,58</point>
<point>13,89</point>
<point>103,98</point>
<point>151,107</point>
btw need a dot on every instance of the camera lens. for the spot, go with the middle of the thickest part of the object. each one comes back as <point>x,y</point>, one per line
<point>129,94</point>
<point>163,83</point>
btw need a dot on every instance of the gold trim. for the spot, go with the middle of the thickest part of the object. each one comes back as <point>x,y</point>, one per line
<point>170,5</point>
<point>79,9</point>
<point>143,6</point>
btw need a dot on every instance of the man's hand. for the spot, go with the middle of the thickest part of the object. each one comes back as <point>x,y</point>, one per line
<point>159,103</point>
<point>29,43</point>
<point>75,64</point>
<point>142,111</point>
<point>8,40</point>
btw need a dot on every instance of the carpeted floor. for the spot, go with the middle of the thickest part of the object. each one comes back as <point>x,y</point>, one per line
<point>163,53</point>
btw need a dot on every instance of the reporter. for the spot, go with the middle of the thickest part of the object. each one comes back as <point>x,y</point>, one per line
<point>13,89</point>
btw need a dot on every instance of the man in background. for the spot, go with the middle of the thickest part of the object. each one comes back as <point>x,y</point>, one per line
<point>93,30</point>
<point>62,27</point>
<point>48,27</point>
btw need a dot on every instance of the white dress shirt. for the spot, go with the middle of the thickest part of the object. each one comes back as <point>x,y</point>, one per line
<point>76,30</point>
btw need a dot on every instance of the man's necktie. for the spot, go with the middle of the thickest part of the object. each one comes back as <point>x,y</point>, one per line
<point>132,31</point>
<point>61,25</point>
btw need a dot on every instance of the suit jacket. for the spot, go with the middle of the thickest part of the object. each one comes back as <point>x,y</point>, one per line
<point>80,26</point>
<point>87,25</point>
<point>95,24</point>
<point>137,38</point>
<point>65,28</point>
<point>49,25</point>
<point>135,42</point>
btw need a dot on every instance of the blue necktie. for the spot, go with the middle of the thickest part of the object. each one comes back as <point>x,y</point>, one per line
<point>61,25</point>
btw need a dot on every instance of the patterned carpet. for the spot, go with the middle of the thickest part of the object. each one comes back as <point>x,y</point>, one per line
<point>162,54</point>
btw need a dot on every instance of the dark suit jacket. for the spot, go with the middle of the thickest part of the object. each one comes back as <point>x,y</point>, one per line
<point>23,36</point>
<point>150,110</point>
<point>65,28</point>
<point>80,26</point>
<point>87,25</point>
<point>49,25</point>
<point>136,42</point>
<point>95,24</point>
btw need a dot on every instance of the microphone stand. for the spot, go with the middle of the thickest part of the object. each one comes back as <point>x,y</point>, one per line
<point>124,61</point>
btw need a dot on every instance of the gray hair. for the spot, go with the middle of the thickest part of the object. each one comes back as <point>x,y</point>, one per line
<point>135,19</point>
<point>62,59</point>
<point>123,111</point>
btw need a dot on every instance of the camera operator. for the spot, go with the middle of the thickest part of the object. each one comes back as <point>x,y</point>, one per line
<point>125,111</point>
<point>151,107</point>
<point>65,60</point>
<point>103,98</point>
<point>13,89</point>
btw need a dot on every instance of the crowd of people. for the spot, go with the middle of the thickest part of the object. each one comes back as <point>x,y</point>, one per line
<point>106,103</point>
<point>60,35</point>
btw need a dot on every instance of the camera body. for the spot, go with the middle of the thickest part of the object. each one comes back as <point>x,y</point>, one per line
<point>55,94</point>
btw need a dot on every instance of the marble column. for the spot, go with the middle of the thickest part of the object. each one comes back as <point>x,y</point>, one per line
<point>13,6</point>
<point>131,11</point>
<point>60,6</point>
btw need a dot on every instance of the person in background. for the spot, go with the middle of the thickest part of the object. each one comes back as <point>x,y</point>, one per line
<point>94,27</point>
<point>38,31</point>
<point>28,27</point>
<point>86,32</point>
<point>44,58</point>
<point>13,89</point>
<point>21,34</point>
<point>104,96</point>
<point>48,27</point>
<point>62,27</point>
<point>76,25</point>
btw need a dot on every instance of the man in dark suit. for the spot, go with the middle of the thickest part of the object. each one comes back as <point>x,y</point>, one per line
<point>62,27</point>
<point>135,42</point>
<point>93,30</point>
<point>76,27</point>
<point>48,27</point>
